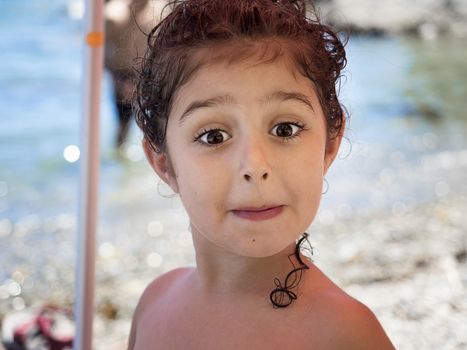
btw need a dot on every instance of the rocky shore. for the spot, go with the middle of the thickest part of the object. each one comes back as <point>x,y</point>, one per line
<point>425,18</point>
<point>410,267</point>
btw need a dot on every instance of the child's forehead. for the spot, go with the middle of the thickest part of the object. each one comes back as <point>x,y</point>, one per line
<point>207,64</point>
<point>247,52</point>
<point>221,80</point>
<point>244,53</point>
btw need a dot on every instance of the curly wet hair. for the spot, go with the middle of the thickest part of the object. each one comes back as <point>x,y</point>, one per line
<point>239,28</point>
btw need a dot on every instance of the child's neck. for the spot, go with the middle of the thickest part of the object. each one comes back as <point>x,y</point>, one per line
<point>223,272</point>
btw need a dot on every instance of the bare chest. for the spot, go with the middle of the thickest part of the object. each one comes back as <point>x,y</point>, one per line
<point>226,329</point>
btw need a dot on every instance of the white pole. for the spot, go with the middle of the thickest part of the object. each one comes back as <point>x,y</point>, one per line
<point>87,219</point>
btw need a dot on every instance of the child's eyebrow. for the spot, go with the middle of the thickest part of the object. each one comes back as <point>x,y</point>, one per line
<point>210,102</point>
<point>228,99</point>
<point>285,96</point>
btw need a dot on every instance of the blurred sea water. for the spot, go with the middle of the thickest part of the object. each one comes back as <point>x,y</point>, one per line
<point>406,142</point>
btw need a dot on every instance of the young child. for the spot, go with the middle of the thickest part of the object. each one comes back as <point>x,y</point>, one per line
<point>238,106</point>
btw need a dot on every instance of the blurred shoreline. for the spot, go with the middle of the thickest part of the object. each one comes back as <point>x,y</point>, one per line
<point>427,19</point>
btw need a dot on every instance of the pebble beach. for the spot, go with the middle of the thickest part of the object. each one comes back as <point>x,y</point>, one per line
<point>409,267</point>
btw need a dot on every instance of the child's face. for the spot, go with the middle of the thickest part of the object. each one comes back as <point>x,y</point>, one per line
<point>241,138</point>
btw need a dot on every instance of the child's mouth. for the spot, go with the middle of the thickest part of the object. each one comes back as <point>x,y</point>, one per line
<point>257,214</point>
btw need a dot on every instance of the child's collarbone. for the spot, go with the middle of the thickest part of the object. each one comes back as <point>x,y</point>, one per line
<point>232,327</point>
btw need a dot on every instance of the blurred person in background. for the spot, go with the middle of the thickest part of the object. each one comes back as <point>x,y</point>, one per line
<point>127,23</point>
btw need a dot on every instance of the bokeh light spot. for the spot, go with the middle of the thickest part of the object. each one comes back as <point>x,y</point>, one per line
<point>106,250</point>
<point>71,153</point>
<point>154,260</point>
<point>134,153</point>
<point>155,228</point>
<point>14,289</point>
<point>18,304</point>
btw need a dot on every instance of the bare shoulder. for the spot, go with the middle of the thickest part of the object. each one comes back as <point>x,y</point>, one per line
<point>156,292</point>
<point>357,326</point>
<point>162,285</point>
<point>344,322</point>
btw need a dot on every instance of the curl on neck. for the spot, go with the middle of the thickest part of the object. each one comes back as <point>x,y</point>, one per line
<point>282,296</point>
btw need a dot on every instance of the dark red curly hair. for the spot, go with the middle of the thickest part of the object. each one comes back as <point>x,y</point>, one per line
<point>240,27</point>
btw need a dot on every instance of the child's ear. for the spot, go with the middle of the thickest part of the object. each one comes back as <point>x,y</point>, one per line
<point>332,147</point>
<point>161,165</point>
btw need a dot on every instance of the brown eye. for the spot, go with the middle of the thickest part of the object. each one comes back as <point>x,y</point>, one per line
<point>286,130</point>
<point>213,137</point>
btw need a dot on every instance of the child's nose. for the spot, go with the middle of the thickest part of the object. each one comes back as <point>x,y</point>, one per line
<point>249,176</point>
<point>254,163</point>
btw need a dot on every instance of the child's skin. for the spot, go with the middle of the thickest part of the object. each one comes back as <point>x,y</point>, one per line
<point>271,150</point>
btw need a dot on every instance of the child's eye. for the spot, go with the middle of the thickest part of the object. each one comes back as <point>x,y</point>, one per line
<point>212,137</point>
<point>287,129</point>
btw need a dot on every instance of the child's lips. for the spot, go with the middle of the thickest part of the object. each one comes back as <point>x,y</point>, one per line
<point>257,214</point>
